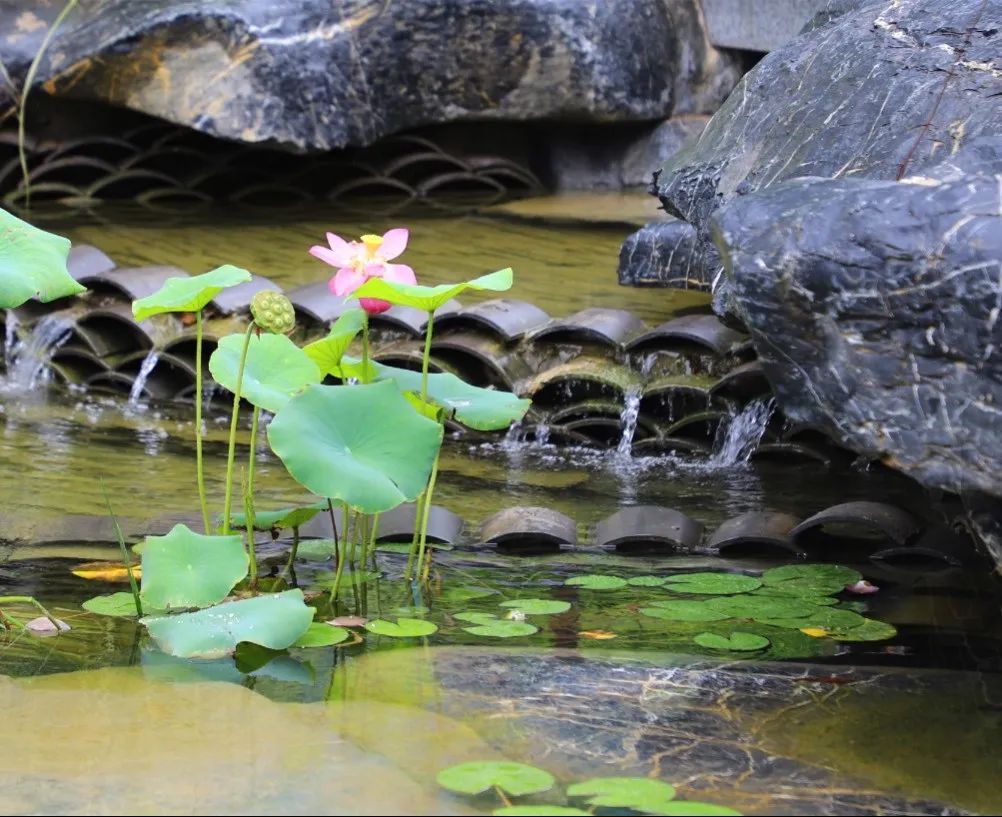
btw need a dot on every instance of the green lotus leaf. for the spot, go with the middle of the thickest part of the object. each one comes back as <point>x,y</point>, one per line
<point>810,592</point>
<point>515,779</point>
<point>826,618</point>
<point>502,628</point>
<point>404,628</point>
<point>474,617</point>
<point>32,264</point>
<point>869,630</point>
<point>185,569</point>
<point>275,369</point>
<point>761,607</point>
<point>118,605</point>
<point>538,607</point>
<point>280,519</point>
<point>363,445</point>
<point>646,581</point>
<point>636,793</point>
<point>428,299</point>
<point>275,621</point>
<point>684,611</point>
<point>319,634</point>
<point>539,811</point>
<point>189,294</point>
<point>738,642</point>
<point>327,352</point>
<point>595,581</point>
<point>821,573</point>
<point>712,583</point>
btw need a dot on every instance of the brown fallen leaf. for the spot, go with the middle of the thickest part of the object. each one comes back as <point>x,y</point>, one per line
<point>348,621</point>
<point>106,572</point>
<point>597,635</point>
<point>815,632</point>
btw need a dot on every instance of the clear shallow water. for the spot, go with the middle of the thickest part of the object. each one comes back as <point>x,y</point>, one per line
<point>363,728</point>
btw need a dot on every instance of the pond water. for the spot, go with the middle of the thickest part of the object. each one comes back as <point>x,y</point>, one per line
<point>100,722</point>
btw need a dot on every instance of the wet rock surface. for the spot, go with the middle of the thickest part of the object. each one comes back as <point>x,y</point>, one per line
<point>662,253</point>
<point>322,76</point>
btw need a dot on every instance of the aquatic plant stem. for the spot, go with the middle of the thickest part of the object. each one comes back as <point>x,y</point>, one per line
<point>503,796</point>
<point>199,464</point>
<point>231,452</point>
<point>330,511</point>
<point>290,566</point>
<point>126,559</point>
<point>422,568</point>
<point>365,348</point>
<point>422,500</point>
<point>370,549</point>
<point>343,556</point>
<point>28,80</point>
<point>249,495</point>
<point>426,357</point>
<point>27,600</point>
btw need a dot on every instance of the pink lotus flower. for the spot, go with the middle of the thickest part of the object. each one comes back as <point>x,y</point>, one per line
<point>358,261</point>
<point>862,588</point>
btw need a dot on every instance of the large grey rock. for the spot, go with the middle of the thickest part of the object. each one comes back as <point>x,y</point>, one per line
<point>875,309</point>
<point>323,75</point>
<point>757,25</point>
<point>662,254</point>
<point>849,99</point>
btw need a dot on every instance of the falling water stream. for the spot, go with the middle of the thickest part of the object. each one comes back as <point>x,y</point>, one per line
<point>628,422</point>
<point>743,433</point>
<point>28,358</point>
<point>149,364</point>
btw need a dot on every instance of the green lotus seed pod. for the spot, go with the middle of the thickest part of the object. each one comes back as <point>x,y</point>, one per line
<point>273,312</point>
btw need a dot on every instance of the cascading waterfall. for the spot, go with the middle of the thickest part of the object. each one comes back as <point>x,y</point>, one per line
<point>743,433</point>
<point>628,422</point>
<point>28,358</point>
<point>145,370</point>
<point>10,340</point>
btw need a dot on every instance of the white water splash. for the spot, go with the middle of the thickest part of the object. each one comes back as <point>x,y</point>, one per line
<point>145,370</point>
<point>10,339</point>
<point>743,433</point>
<point>628,422</point>
<point>28,359</point>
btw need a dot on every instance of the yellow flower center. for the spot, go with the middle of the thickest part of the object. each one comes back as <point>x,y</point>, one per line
<point>372,244</point>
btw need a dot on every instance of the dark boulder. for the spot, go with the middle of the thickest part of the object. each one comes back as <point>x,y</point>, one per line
<point>662,254</point>
<point>317,76</point>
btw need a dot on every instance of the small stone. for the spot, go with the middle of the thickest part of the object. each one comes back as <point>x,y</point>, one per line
<point>44,628</point>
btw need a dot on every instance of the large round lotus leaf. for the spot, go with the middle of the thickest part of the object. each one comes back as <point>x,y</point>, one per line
<point>636,793</point>
<point>118,605</point>
<point>428,299</point>
<point>274,371</point>
<point>363,445</point>
<point>869,630</point>
<point>712,583</point>
<point>515,779</point>
<point>502,628</point>
<point>759,607</point>
<point>32,264</point>
<point>821,573</point>
<point>321,634</point>
<point>327,352</point>
<point>795,588</point>
<point>189,294</point>
<point>539,811</point>
<point>684,611</point>
<point>275,621</point>
<point>538,607</point>
<point>186,569</point>
<point>738,642</point>
<point>480,409</point>
<point>597,581</point>
<point>825,618</point>
<point>280,519</point>
<point>404,628</point>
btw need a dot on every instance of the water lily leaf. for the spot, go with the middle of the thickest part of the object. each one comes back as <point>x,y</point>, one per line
<point>810,593</point>
<point>275,621</point>
<point>106,571</point>
<point>477,408</point>
<point>596,581</point>
<point>684,611</point>
<point>515,779</point>
<point>826,618</point>
<point>712,583</point>
<point>405,547</point>
<point>189,294</point>
<point>317,550</point>
<point>646,581</point>
<point>32,264</point>
<point>186,569</point>
<point>280,519</point>
<point>474,617</point>
<point>636,793</point>
<point>538,607</point>
<point>762,607</point>
<point>320,634</point>
<point>428,299</point>
<point>404,628</point>
<point>327,352</point>
<point>836,574</point>
<point>539,811</point>
<point>274,371</point>
<point>694,808</point>
<point>502,628</point>
<point>363,445</point>
<point>869,630</point>
<point>411,610</point>
<point>118,605</point>
<point>460,593</point>
<point>740,642</point>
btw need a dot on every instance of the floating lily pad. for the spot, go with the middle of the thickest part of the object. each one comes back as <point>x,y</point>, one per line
<point>712,583</point>
<point>538,607</point>
<point>684,611</point>
<point>189,294</point>
<point>32,264</point>
<point>460,593</point>
<point>539,811</point>
<point>840,576</point>
<point>275,369</point>
<point>596,581</point>
<point>327,352</point>
<point>280,519</point>
<point>825,618</point>
<point>646,581</point>
<point>117,605</point>
<point>515,779</point>
<point>185,569</point>
<point>428,299</point>
<point>364,445</point>
<point>502,628</point>
<point>404,628</point>
<point>810,593</point>
<point>759,607</point>
<point>320,634</point>
<point>636,793</point>
<point>475,618</point>
<point>274,621</point>
<point>738,642</point>
<point>869,630</point>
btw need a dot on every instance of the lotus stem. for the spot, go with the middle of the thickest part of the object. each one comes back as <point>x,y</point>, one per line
<point>365,348</point>
<point>343,556</point>
<point>249,493</point>
<point>417,542</point>
<point>231,453</point>
<point>290,567</point>
<point>28,600</point>
<point>426,357</point>
<point>126,559</point>
<point>330,511</point>
<point>425,515</point>
<point>199,466</point>
<point>370,549</point>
